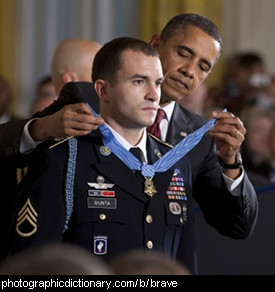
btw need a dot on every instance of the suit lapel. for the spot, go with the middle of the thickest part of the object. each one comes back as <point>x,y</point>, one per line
<point>179,126</point>
<point>86,92</point>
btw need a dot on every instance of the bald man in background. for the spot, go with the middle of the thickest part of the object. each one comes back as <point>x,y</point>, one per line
<point>71,62</point>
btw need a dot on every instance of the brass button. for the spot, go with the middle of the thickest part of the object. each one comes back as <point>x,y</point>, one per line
<point>102,216</point>
<point>181,220</point>
<point>149,219</point>
<point>149,244</point>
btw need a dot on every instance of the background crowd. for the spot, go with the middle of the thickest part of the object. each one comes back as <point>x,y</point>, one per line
<point>247,90</point>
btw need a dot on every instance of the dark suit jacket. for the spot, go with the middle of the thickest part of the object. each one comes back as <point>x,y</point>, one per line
<point>233,216</point>
<point>10,132</point>
<point>113,221</point>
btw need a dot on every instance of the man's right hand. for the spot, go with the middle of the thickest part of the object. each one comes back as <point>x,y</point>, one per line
<point>72,120</point>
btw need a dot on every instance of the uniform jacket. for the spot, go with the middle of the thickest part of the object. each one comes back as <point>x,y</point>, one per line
<point>233,216</point>
<point>111,213</point>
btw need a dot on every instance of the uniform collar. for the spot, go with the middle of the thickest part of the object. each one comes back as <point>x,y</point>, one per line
<point>127,145</point>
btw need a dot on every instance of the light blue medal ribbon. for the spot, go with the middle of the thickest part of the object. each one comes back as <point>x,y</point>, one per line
<point>183,147</point>
<point>111,142</point>
<point>164,163</point>
<point>148,171</point>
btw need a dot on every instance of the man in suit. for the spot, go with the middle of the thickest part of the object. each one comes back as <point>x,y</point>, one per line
<point>189,47</point>
<point>111,207</point>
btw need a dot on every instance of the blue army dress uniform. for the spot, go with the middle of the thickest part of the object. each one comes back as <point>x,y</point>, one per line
<point>111,213</point>
<point>232,215</point>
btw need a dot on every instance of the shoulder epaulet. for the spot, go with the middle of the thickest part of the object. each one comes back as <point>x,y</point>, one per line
<point>161,141</point>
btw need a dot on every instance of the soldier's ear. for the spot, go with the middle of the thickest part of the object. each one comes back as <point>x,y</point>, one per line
<point>101,88</point>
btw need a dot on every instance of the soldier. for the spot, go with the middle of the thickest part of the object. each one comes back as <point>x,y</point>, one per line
<point>113,202</point>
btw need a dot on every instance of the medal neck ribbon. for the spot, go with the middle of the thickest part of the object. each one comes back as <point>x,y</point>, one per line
<point>148,171</point>
<point>165,162</point>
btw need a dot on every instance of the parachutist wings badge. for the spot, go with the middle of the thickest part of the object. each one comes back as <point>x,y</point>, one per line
<point>100,184</point>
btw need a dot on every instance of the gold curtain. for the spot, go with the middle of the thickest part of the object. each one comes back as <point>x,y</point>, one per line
<point>7,40</point>
<point>154,14</point>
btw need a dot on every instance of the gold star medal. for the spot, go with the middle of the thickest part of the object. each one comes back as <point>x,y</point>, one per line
<point>149,187</point>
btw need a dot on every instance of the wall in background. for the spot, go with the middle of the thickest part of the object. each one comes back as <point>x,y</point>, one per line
<point>31,29</point>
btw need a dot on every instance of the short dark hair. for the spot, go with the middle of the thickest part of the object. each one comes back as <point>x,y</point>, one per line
<point>178,24</point>
<point>107,61</point>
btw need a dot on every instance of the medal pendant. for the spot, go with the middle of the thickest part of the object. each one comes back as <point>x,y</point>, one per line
<point>149,187</point>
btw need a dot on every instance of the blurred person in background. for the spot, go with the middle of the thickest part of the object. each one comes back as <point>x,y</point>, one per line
<point>246,77</point>
<point>142,262</point>
<point>55,259</point>
<point>272,154</point>
<point>5,100</point>
<point>45,94</point>
<point>71,62</point>
<point>266,98</point>
<point>256,149</point>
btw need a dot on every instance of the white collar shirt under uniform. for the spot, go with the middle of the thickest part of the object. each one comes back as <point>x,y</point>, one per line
<point>127,145</point>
